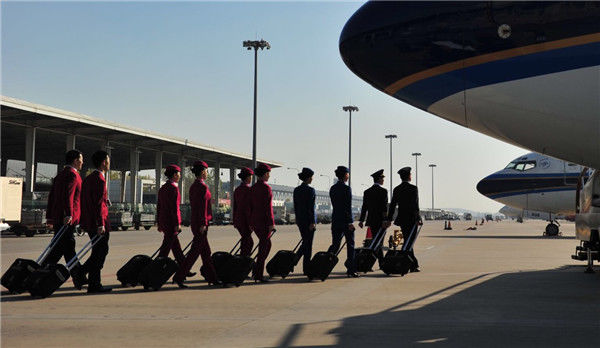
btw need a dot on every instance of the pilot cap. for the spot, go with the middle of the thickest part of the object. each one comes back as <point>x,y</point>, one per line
<point>378,174</point>
<point>404,171</point>
<point>341,170</point>
<point>305,174</point>
<point>245,172</point>
<point>261,169</point>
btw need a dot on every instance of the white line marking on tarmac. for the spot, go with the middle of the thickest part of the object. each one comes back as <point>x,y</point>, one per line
<point>430,247</point>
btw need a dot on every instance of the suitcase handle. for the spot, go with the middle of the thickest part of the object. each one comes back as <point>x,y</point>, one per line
<point>234,250</point>
<point>51,245</point>
<point>257,244</point>
<point>412,237</point>
<point>86,248</point>
<point>340,249</point>
<point>297,245</point>
<point>380,233</point>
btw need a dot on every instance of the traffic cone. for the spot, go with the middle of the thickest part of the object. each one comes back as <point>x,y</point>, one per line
<point>449,225</point>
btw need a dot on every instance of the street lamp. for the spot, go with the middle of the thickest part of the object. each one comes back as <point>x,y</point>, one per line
<point>416,154</point>
<point>391,136</point>
<point>350,108</point>
<point>262,44</point>
<point>432,166</point>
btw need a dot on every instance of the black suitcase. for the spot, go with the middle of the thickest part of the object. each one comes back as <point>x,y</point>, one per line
<point>400,261</point>
<point>159,271</point>
<point>14,278</point>
<point>365,257</point>
<point>129,274</point>
<point>44,281</point>
<point>237,269</point>
<point>220,258</point>
<point>283,262</point>
<point>322,264</point>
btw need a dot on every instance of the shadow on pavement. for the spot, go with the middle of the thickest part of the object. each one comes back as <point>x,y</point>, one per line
<point>553,308</point>
<point>503,237</point>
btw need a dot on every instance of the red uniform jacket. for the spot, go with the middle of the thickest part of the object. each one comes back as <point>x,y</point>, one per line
<point>94,202</point>
<point>242,206</point>
<point>64,197</point>
<point>167,208</point>
<point>200,201</point>
<point>262,205</point>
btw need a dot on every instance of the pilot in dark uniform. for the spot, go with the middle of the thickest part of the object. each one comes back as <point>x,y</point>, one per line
<point>304,208</point>
<point>341,219</point>
<point>406,197</point>
<point>374,207</point>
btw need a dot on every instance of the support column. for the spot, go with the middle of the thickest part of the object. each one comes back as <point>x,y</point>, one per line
<point>123,185</point>
<point>134,163</point>
<point>158,168</point>
<point>231,187</point>
<point>71,142</point>
<point>217,176</point>
<point>29,162</point>
<point>182,189</point>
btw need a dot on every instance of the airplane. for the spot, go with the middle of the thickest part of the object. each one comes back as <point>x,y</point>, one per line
<point>535,182</point>
<point>523,72</point>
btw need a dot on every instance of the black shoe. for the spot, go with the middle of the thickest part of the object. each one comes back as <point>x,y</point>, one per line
<point>79,281</point>
<point>180,284</point>
<point>98,289</point>
<point>415,270</point>
<point>261,280</point>
<point>352,275</point>
<point>215,283</point>
<point>190,274</point>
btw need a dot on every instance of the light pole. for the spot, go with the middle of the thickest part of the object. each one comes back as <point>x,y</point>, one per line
<point>416,154</point>
<point>432,166</point>
<point>262,44</point>
<point>391,136</point>
<point>329,182</point>
<point>350,108</point>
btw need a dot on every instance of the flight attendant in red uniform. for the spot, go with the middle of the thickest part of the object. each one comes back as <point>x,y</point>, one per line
<point>64,209</point>
<point>242,210</point>
<point>262,219</point>
<point>169,215</point>
<point>201,214</point>
<point>94,218</point>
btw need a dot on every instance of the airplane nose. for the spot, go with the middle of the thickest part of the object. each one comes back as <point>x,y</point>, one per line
<point>485,186</point>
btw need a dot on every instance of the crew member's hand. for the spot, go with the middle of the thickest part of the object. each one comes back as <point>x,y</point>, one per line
<point>49,225</point>
<point>420,222</point>
<point>101,230</point>
<point>203,229</point>
<point>360,224</point>
<point>68,220</point>
<point>271,228</point>
<point>388,224</point>
<point>160,229</point>
<point>351,227</point>
<point>312,227</point>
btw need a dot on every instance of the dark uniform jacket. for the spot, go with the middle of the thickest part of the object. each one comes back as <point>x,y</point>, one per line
<point>261,198</point>
<point>406,197</point>
<point>304,205</point>
<point>94,202</point>
<point>374,206</point>
<point>341,200</point>
<point>168,214</point>
<point>242,206</point>
<point>64,197</point>
<point>200,203</point>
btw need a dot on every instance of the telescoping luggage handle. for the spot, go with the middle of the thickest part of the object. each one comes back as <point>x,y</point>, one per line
<point>340,249</point>
<point>52,244</point>
<point>413,236</point>
<point>378,238</point>
<point>257,244</point>
<point>297,245</point>
<point>173,241</point>
<point>86,248</point>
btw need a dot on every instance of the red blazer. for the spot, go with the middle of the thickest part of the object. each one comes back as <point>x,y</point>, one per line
<point>167,208</point>
<point>200,201</point>
<point>262,205</point>
<point>242,206</point>
<point>64,197</point>
<point>94,202</point>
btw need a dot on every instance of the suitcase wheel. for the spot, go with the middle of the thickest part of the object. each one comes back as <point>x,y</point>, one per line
<point>283,277</point>
<point>322,279</point>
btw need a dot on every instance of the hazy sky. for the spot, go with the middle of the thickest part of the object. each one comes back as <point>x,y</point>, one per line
<point>180,69</point>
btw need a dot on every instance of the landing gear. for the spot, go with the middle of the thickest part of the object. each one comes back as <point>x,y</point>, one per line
<point>552,230</point>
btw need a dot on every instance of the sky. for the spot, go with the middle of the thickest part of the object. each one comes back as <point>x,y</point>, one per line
<point>179,68</point>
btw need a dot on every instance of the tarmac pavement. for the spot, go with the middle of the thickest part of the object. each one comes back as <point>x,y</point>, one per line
<point>502,285</point>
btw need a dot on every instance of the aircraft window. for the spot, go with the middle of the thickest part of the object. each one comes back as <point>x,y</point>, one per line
<point>511,165</point>
<point>529,165</point>
<point>521,166</point>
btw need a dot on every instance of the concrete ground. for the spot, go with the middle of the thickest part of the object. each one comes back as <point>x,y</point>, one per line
<point>501,285</point>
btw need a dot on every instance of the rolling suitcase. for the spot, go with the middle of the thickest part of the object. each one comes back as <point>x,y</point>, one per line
<point>400,261</point>
<point>322,264</point>
<point>237,269</point>
<point>283,262</point>
<point>129,274</point>
<point>365,257</point>
<point>220,258</point>
<point>44,281</point>
<point>21,269</point>
<point>159,271</point>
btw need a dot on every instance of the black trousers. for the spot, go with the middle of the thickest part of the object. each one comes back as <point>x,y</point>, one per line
<point>95,262</point>
<point>407,228</point>
<point>305,249</point>
<point>336,239</point>
<point>65,246</point>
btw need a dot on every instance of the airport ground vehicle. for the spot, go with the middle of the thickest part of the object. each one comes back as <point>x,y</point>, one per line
<point>489,217</point>
<point>120,216</point>
<point>468,216</point>
<point>144,216</point>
